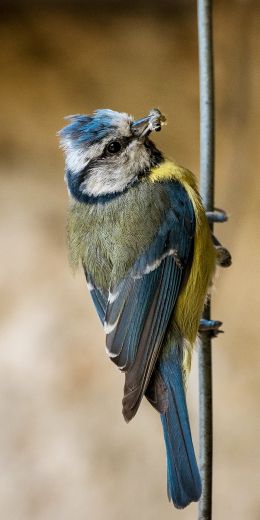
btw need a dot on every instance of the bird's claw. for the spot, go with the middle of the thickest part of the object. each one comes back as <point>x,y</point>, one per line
<point>224,258</point>
<point>217,215</point>
<point>210,327</point>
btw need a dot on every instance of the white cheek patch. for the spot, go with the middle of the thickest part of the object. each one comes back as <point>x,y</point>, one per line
<point>76,160</point>
<point>100,181</point>
<point>115,173</point>
<point>77,157</point>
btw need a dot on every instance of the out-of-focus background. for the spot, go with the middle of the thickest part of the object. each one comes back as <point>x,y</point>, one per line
<point>65,450</point>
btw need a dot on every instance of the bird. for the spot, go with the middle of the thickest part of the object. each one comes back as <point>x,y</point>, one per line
<point>137,226</point>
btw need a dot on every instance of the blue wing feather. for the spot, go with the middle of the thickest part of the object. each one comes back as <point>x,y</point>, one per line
<point>99,296</point>
<point>142,304</point>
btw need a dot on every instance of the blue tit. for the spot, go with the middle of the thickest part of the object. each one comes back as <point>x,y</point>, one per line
<point>137,226</point>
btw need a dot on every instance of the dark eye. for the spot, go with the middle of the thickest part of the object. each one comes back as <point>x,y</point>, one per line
<point>113,147</point>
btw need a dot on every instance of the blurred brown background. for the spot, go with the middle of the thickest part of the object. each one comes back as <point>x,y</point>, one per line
<point>65,450</point>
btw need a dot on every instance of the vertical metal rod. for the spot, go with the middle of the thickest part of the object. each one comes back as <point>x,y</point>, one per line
<point>207,193</point>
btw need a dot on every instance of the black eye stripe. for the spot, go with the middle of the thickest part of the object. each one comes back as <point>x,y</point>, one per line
<point>123,141</point>
<point>156,156</point>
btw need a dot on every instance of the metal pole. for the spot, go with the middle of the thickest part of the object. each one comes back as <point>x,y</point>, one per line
<point>207,193</point>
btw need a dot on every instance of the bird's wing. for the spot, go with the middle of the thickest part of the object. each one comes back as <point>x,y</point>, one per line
<point>99,296</point>
<point>140,306</point>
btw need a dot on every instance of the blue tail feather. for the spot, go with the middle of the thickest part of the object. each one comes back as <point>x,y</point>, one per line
<point>183,478</point>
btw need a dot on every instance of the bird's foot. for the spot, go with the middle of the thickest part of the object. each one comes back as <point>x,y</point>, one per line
<point>210,327</point>
<point>224,258</point>
<point>217,215</point>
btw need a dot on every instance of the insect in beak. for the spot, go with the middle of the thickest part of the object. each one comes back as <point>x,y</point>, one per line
<point>144,126</point>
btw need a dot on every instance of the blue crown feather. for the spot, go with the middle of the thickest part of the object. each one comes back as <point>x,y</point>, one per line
<point>91,129</point>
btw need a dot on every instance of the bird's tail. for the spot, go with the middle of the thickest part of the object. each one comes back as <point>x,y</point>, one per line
<point>183,478</point>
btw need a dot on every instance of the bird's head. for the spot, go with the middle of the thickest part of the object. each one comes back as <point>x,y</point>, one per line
<point>107,152</point>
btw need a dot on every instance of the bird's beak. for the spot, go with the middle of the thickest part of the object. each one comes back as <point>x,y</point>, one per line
<point>144,126</point>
